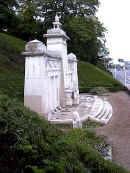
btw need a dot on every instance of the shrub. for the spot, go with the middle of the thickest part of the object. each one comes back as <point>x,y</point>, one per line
<point>96,163</point>
<point>29,144</point>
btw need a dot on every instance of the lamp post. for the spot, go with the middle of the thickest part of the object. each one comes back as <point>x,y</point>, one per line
<point>115,71</point>
<point>125,75</point>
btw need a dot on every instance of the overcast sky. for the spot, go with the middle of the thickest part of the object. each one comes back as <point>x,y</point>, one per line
<point>115,14</point>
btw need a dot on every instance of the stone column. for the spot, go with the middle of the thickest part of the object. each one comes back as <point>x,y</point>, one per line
<point>75,83</point>
<point>35,89</point>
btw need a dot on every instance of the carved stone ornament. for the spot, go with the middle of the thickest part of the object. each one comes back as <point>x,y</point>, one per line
<point>56,18</point>
<point>72,56</point>
<point>35,46</point>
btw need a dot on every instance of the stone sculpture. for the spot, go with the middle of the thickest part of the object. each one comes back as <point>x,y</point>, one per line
<point>76,120</point>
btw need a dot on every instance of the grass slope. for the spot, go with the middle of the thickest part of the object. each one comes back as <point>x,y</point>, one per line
<point>11,66</point>
<point>90,76</point>
<point>10,52</point>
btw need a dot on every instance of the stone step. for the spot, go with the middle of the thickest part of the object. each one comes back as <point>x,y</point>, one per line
<point>61,121</point>
<point>94,108</point>
<point>97,107</point>
<point>104,111</point>
<point>107,118</point>
<point>108,111</point>
<point>105,115</point>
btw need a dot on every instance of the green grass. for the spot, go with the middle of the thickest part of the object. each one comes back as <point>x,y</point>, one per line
<point>90,77</point>
<point>12,84</point>
<point>11,66</point>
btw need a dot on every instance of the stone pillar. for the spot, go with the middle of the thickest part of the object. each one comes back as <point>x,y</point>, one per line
<point>35,87</point>
<point>57,41</point>
<point>75,89</point>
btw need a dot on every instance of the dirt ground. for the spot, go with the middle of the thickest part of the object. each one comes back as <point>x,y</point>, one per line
<point>118,129</point>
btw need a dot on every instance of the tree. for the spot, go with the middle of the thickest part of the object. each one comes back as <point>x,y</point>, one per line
<point>7,13</point>
<point>85,34</point>
<point>78,19</point>
<point>26,22</point>
<point>47,9</point>
<point>65,8</point>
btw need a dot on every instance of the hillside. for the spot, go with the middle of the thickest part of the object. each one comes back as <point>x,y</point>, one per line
<point>11,66</point>
<point>30,144</point>
<point>12,70</point>
<point>90,77</point>
<point>10,52</point>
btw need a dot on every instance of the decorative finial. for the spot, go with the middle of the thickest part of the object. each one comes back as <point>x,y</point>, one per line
<point>56,18</point>
<point>57,23</point>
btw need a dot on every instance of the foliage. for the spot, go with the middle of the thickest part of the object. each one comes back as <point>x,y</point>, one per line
<point>64,8</point>
<point>90,77</point>
<point>28,143</point>
<point>96,163</point>
<point>84,35</point>
<point>28,23</point>
<point>33,18</point>
<point>78,19</point>
<point>7,13</point>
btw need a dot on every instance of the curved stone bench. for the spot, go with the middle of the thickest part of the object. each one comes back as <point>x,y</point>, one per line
<point>90,107</point>
<point>104,115</point>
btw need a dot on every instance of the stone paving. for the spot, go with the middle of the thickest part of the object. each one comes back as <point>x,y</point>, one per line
<point>90,107</point>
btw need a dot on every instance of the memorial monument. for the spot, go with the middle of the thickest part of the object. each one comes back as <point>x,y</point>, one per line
<point>51,79</point>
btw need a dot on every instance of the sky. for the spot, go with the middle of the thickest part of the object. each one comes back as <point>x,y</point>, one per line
<point>115,14</point>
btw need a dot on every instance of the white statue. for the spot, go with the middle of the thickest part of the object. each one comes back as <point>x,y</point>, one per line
<point>76,120</point>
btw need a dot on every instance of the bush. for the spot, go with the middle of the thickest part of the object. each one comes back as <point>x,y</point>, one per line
<point>96,163</point>
<point>29,144</point>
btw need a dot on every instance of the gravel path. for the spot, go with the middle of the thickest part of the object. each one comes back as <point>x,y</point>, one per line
<point>118,129</point>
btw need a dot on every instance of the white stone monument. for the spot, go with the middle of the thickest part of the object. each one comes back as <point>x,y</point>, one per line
<point>51,79</point>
